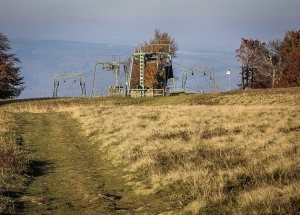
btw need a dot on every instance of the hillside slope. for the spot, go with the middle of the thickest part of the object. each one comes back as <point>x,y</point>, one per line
<point>226,153</point>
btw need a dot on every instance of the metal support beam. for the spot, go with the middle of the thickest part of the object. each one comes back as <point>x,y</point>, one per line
<point>65,76</point>
<point>113,65</point>
<point>204,70</point>
<point>129,73</point>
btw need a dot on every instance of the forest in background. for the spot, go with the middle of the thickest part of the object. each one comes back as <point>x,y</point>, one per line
<point>272,64</point>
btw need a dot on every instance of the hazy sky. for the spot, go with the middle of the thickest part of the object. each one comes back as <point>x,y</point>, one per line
<point>201,22</point>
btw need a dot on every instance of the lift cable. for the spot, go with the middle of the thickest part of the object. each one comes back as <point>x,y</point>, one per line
<point>69,88</point>
<point>178,65</point>
<point>82,72</point>
<point>209,84</point>
<point>196,82</point>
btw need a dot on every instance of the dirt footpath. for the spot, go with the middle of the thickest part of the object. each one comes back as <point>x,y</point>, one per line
<point>69,175</point>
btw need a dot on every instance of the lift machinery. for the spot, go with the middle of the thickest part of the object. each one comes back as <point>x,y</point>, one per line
<point>146,53</point>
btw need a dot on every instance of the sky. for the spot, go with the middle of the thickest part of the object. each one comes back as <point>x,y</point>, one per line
<point>215,24</point>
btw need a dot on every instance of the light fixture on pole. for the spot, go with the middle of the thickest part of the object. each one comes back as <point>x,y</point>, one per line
<point>228,73</point>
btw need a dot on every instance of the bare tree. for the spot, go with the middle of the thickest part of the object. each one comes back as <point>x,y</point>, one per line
<point>272,56</point>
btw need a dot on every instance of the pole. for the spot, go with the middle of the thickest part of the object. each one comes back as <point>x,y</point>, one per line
<point>92,93</point>
<point>228,73</point>
<point>229,86</point>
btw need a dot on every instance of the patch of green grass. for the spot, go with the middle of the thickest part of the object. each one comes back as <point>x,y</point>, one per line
<point>70,175</point>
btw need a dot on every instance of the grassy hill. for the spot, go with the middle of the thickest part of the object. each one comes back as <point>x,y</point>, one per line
<point>226,153</point>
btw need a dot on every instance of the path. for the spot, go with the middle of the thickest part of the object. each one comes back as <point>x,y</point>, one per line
<point>70,177</point>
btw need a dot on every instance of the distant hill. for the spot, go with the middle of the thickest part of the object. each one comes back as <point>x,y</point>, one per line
<point>41,59</point>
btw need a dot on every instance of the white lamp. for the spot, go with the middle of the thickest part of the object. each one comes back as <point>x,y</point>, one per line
<point>228,73</point>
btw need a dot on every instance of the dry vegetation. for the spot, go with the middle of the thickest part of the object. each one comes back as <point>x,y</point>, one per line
<point>14,162</point>
<point>207,159</point>
<point>231,153</point>
<point>240,156</point>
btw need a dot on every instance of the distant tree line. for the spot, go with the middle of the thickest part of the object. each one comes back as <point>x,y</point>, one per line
<point>270,65</point>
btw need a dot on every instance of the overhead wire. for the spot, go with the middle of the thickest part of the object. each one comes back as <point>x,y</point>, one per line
<point>69,88</point>
<point>91,73</point>
<point>75,80</point>
<point>97,70</point>
<point>178,64</point>
<point>209,85</point>
<point>196,83</point>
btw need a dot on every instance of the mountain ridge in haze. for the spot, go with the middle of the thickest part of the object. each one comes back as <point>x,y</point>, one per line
<point>41,59</point>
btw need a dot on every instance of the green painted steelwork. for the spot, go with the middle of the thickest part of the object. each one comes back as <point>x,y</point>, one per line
<point>146,53</point>
<point>113,65</point>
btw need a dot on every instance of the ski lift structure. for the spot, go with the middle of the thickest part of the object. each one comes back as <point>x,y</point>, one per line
<point>114,64</point>
<point>142,54</point>
<point>65,77</point>
<point>149,53</point>
<point>203,70</point>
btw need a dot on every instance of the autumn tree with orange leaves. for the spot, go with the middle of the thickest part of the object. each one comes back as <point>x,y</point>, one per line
<point>154,70</point>
<point>291,55</point>
<point>272,64</point>
<point>11,84</point>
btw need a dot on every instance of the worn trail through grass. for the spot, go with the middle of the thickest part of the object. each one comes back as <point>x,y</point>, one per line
<point>69,174</point>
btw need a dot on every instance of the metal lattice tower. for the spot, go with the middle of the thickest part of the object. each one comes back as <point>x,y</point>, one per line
<point>145,53</point>
<point>65,76</point>
<point>204,70</point>
<point>114,63</point>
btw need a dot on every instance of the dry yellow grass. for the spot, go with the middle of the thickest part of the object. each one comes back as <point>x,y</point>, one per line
<point>237,155</point>
<point>204,157</point>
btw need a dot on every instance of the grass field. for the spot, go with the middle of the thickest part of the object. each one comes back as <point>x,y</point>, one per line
<point>227,153</point>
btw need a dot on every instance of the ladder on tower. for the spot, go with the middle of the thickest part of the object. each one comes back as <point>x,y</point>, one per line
<point>142,73</point>
<point>146,53</point>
